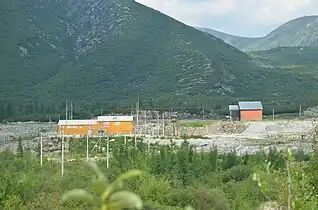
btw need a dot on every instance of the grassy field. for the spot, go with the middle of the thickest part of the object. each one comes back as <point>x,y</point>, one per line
<point>199,124</point>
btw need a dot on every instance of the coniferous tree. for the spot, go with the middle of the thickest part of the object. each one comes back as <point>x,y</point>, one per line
<point>20,148</point>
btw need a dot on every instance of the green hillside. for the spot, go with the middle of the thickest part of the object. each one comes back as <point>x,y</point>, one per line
<point>296,61</point>
<point>302,31</point>
<point>104,53</point>
<point>236,41</point>
<point>288,56</point>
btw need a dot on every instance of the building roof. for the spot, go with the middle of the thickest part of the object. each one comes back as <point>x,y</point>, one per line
<point>115,118</point>
<point>77,122</point>
<point>250,105</point>
<point>233,107</point>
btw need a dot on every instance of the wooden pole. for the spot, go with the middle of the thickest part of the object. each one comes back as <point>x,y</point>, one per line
<point>107,152</point>
<point>41,143</point>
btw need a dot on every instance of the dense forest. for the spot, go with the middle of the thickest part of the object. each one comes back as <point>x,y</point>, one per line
<point>38,111</point>
<point>173,177</point>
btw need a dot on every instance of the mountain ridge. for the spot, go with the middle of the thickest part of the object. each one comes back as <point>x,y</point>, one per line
<point>236,41</point>
<point>87,31</point>
<point>108,52</point>
<point>301,31</point>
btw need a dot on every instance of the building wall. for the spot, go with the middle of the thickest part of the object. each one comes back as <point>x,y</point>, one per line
<point>80,130</point>
<point>107,127</point>
<point>235,114</point>
<point>116,127</point>
<point>251,115</point>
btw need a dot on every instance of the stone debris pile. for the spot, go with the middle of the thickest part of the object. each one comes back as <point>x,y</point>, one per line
<point>26,129</point>
<point>231,127</point>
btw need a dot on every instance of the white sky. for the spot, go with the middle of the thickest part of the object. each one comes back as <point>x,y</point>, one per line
<point>251,18</point>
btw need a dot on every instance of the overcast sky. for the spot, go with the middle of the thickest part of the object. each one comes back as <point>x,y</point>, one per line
<point>238,17</point>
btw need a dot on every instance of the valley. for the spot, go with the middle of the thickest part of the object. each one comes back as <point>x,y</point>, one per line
<point>184,148</point>
<point>106,59</point>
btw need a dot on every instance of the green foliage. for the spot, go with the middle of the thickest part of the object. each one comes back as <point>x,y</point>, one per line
<point>290,58</point>
<point>109,196</point>
<point>173,177</point>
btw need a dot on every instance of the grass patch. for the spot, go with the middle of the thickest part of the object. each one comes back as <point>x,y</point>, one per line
<point>186,137</point>
<point>198,124</point>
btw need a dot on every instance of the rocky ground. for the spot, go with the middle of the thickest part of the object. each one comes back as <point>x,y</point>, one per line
<point>243,137</point>
<point>253,136</point>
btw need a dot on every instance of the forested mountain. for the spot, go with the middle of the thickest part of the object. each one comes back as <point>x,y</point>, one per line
<point>302,31</point>
<point>236,41</point>
<point>105,52</point>
<point>288,56</point>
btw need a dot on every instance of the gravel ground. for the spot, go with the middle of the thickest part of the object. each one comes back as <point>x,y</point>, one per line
<point>29,129</point>
<point>240,146</point>
<point>265,129</point>
<point>255,137</point>
<point>258,131</point>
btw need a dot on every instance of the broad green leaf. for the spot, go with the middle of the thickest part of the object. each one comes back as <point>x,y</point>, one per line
<point>127,199</point>
<point>268,166</point>
<point>189,208</point>
<point>255,177</point>
<point>114,205</point>
<point>78,194</point>
<point>99,186</point>
<point>111,188</point>
<point>99,174</point>
<point>104,207</point>
<point>129,175</point>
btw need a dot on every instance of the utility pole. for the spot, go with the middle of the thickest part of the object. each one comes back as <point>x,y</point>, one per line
<point>87,143</point>
<point>41,145</point>
<point>71,115</point>
<point>203,112</point>
<point>137,114</point>
<point>66,115</point>
<point>163,124</point>
<point>145,122</point>
<point>107,152</point>
<point>299,110</point>
<point>101,111</point>
<point>158,123</point>
<point>273,113</point>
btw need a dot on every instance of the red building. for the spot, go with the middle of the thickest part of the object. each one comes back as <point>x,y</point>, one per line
<point>250,110</point>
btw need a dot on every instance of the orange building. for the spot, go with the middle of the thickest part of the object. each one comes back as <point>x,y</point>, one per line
<point>76,127</point>
<point>251,110</point>
<point>116,124</point>
<point>106,124</point>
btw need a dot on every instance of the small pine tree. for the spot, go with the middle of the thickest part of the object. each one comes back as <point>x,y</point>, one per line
<point>20,148</point>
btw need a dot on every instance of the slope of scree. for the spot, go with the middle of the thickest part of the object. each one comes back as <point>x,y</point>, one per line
<point>33,43</point>
<point>107,51</point>
<point>144,51</point>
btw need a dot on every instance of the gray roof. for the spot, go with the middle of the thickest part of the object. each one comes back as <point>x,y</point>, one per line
<point>233,107</point>
<point>250,105</point>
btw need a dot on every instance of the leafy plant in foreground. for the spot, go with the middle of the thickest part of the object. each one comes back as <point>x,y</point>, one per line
<point>110,196</point>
